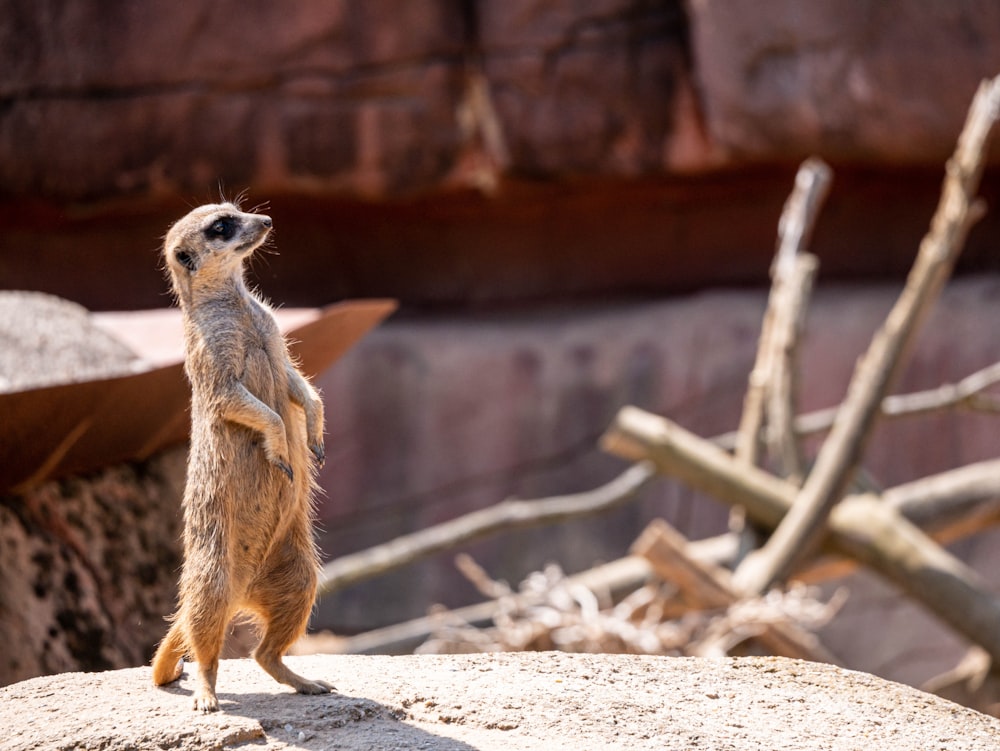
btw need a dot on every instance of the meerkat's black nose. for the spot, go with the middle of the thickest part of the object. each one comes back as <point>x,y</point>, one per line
<point>266,221</point>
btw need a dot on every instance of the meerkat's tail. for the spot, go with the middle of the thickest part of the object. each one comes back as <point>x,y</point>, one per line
<point>167,666</point>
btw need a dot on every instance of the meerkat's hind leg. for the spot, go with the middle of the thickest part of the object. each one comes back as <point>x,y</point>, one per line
<point>280,631</point>
<point>206,637</point>
<point>283,616</point>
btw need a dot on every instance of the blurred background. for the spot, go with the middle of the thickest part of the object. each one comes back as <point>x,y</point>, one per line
<point>575,204</point>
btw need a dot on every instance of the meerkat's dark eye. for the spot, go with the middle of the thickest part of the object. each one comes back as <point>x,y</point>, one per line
<point>223,228</point>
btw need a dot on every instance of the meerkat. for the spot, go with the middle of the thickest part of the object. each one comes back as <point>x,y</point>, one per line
<point>256,441</point>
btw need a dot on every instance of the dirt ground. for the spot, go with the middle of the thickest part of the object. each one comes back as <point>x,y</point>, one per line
<point>499,701</point>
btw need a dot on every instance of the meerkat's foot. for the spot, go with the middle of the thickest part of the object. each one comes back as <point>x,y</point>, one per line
<point>306,686</point>
<point>278,670</point>
<point>205,701</point>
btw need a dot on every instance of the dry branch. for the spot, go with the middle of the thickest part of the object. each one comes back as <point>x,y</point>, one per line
<point>617,579</point>
<point>966,393</point>
<point>771,387</point>
<point>861,527</point>
<point>838,457</point>
<point>510,514</point>
<point>554,612</point>
<point>791,274</point>
<point>943,497</point>
<point>782,441</point>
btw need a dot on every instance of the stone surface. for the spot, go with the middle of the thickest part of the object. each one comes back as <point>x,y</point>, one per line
<point>486,702</point>
<point>117,99</point>
<point>366,100</point>
<point>46,340</point>
<point>584,88</point>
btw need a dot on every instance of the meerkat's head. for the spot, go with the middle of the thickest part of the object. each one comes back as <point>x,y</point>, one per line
<point>208,245</point>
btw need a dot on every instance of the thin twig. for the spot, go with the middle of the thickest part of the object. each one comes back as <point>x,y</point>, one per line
<point>967,394</point>
<point>510,514</point>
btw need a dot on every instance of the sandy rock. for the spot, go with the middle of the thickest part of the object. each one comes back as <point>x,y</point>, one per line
<point>374,99</point>
<point>46,340</point>
<point>486,702</point>
<point>585,88</point>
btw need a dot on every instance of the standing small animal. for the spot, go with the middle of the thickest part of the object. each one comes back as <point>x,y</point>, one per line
<point>256,440</point>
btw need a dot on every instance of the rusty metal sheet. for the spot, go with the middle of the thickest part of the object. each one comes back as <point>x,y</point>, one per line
<point>77,427</point>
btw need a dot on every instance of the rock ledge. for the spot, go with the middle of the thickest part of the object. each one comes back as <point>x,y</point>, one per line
<point>484,702</point>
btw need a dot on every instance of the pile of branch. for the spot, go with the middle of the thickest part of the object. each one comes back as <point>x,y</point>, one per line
<point>551,611</point>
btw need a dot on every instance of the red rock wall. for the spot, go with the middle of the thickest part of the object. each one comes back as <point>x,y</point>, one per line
<point>878,83</point>
<point>450,152</point>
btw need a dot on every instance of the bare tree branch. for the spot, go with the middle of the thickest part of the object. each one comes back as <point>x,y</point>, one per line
<point>839,455</point>
<point>967,393</point>
<point>510,514</point>
<point>789,277</point>
<point>782,440</point>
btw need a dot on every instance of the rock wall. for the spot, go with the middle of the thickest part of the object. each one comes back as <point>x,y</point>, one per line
<point>854,82</point>
<point>90,568</point>
<point>372,99</point>
<point>458,152</point>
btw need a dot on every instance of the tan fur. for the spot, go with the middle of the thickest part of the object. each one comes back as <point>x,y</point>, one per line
<point>256,437</point>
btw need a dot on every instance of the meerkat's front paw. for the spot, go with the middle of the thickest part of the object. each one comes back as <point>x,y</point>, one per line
<point>285,467</point>
<point>318,452</point>
<point>280,459</point>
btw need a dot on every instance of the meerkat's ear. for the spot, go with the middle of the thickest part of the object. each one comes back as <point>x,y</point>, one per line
<point>185,259</point>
